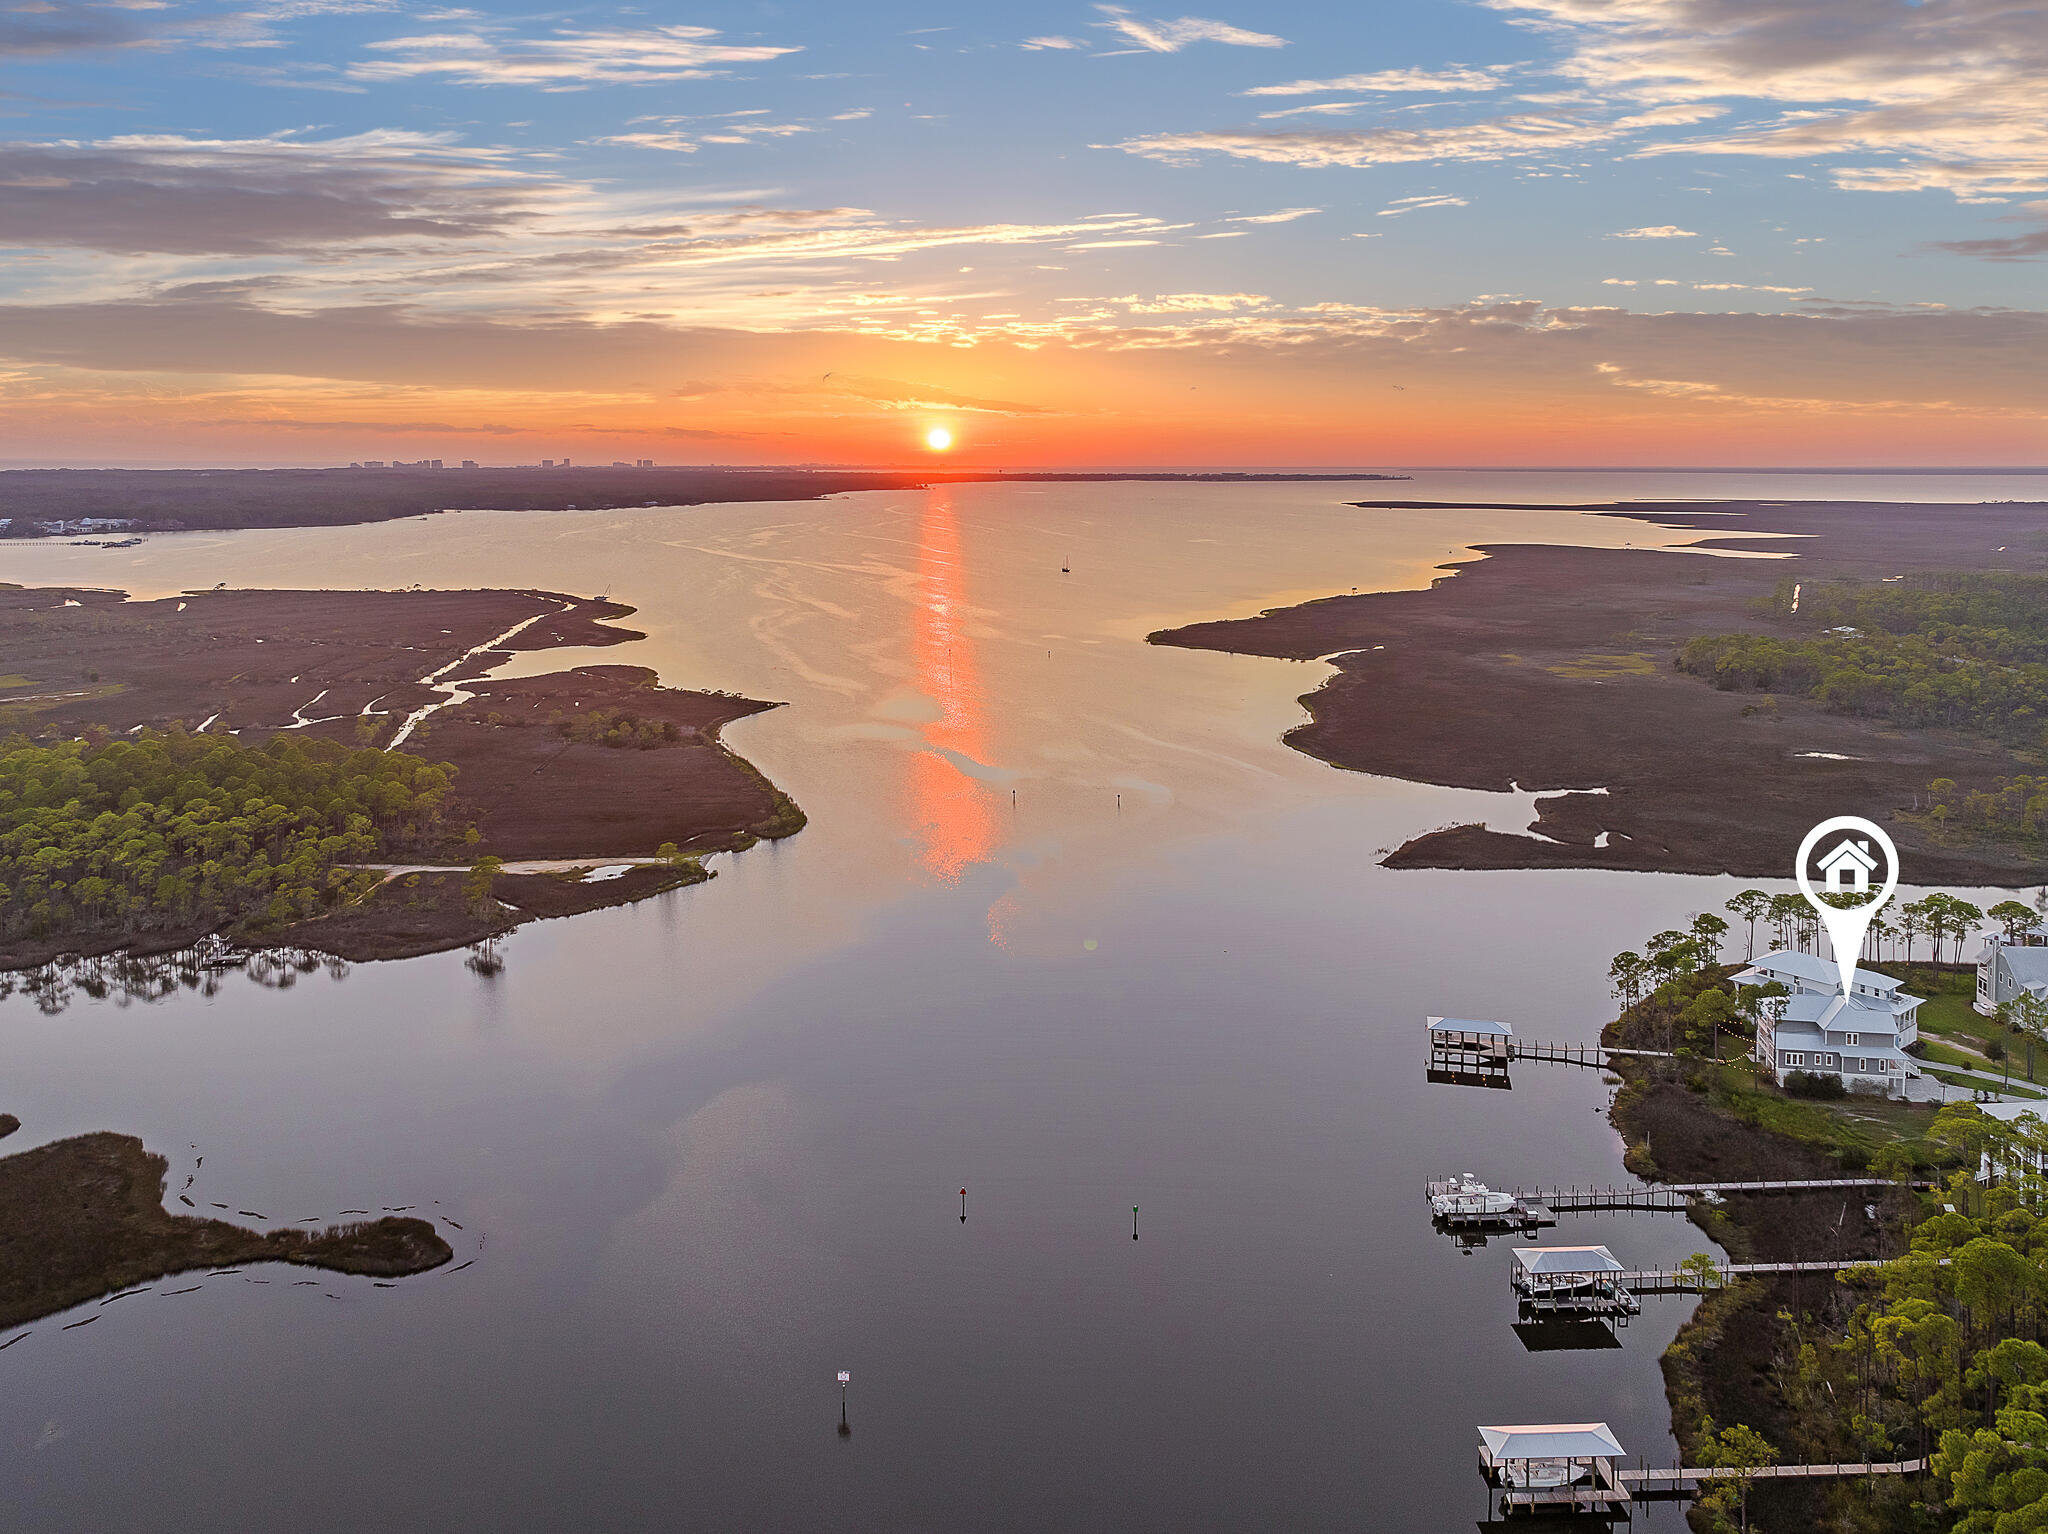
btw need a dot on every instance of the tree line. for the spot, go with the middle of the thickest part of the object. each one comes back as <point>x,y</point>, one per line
<point>2015,810</point>
<point>1944,920</point>
<point>1941,1351</point>
<point>1962,651</point>
<point>168,830</point>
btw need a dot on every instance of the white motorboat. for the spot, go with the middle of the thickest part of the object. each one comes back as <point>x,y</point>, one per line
<point>1466,1195</point>
<point>1542,1474</point>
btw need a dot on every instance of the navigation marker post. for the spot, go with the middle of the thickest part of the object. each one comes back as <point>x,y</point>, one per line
<point>1847,860</point>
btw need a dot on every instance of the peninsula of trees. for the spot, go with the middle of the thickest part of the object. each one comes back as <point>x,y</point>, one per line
<point>222,762</point>
<point>1841,682</point>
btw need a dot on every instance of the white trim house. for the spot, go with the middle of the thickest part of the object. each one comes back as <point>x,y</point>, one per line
<point>2006,969</point>
<point>1860,1038</point>
<point>2013,1159</point>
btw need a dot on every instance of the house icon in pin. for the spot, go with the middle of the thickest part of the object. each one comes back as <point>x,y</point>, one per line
<point>1848,867</point>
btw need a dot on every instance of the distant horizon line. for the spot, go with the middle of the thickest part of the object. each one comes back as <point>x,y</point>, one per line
<point>17,466</point>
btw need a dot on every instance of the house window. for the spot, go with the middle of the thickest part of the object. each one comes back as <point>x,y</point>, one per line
<point>1793,1057</point>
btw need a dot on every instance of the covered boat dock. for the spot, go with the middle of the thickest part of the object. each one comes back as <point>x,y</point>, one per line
<point>1572,1280</point>
<point>1554,1467</point>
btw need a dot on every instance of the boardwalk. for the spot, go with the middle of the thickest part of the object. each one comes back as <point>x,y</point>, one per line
<point>1597,1056</point>
<point>1616,1293</point>
<point>1681,1479</point>
<point>1674,1196</point>
<point>1680,1281</point>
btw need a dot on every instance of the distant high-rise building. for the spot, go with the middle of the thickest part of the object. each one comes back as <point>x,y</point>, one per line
<point>644,463</point>
<point>547,463</point>
<point>469,463</point>
<point>373,463</point>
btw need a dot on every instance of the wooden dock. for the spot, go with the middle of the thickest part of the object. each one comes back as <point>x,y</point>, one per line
<point>1597,1056</point>
<point>1683,1281</point>
<point>1672,1197</point>
<point>1683,1480</point>
<point>1614,1301</point>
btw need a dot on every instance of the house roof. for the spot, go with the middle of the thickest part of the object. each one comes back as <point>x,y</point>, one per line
<point>2026,964</point>
<point>1552,1440</point>
<point>1566,1259</point>
<point>1837,1011</point>
<point>1813,970</point>
<point>1469,1025</point>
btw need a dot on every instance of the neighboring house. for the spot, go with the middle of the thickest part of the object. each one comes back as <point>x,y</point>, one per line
<point>2016,1159</point>
<point>2006,969</point>
<point>1860,1038</point>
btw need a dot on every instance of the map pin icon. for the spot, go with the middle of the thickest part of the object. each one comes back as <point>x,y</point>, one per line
<point>1850,849</point>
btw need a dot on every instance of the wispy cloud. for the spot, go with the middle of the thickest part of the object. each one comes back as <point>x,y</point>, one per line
<point>1947,95</point>
<point>1172,36</point>
<point>568,60</point>
<point>1317,109</point>
<point>1192,303</point>
<point>41,28</point>
<point>1042,44</point>
<point>2032,246</point>
<point>1391,81</point>
<point>1402,205</point>
<point>139,194</point>
<point>1500,138</point>
<point>1282,216</point>
<point>1655,232</point>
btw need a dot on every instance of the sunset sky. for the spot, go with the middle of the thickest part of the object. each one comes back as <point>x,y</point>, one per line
<point>1440,231</point>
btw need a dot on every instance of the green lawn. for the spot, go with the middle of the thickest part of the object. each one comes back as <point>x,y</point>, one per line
<point>1947,1014</point>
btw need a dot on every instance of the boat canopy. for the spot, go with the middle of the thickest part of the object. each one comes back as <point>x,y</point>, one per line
<point>1470,1025</point>
<point>1566,1259</point>
<point>1555,1440</point>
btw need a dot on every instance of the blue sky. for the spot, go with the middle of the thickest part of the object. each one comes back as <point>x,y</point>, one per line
<point>1045,177</point>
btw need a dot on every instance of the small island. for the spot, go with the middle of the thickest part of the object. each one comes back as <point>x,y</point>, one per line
<point>334,771</point>
<point>84,1218</point>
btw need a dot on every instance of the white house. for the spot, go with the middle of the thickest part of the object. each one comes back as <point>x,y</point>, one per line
<point>1860,1038</point>
<point>2013,1159</point>
<point>2006,969</point>
<point>1848,867</point>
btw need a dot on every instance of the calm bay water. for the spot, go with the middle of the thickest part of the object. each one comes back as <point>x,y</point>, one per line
<point>705,1151</point>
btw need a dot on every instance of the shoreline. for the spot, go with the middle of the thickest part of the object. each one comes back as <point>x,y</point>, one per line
<point>578,767</point>
<point>82,1218</point>
<point>68,503</point>
<point>1550,667</point>
<point>1725,1361</point>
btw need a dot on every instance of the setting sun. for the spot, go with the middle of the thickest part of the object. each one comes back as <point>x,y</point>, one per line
<point>938,439</point>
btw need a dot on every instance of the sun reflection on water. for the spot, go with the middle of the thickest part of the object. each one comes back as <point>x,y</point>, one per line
<point>954,813</point>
